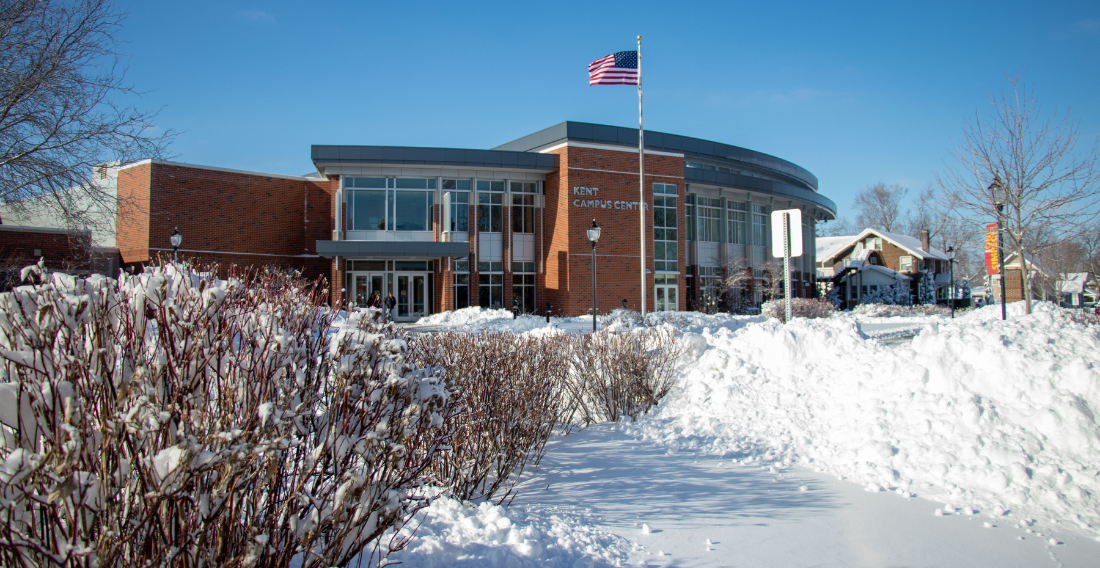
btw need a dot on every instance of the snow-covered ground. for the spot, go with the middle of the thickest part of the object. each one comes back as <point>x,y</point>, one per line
<point>822,442</point>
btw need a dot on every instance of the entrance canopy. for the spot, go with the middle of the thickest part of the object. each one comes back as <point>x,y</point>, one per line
<point>392,249</point>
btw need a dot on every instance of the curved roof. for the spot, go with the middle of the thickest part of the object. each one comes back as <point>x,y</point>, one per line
<point>694,147</point>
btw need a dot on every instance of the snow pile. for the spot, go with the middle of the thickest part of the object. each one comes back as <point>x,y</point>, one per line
<point>893,310</point>
<point>451,533</point>
<point>471,316</point>
<point>480,319</point>
<point>976,412</point>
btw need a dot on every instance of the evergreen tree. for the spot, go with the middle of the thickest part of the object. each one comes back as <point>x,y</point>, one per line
<point>926,293</point>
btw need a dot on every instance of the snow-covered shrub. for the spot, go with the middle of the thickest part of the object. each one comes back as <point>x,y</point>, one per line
<point>506,396</point>
<point>800,308</point>
<point>833,297</point>
<point>615,375</point>
<point>175,419</point>
<point>621,318</point>
<point>624,319</point>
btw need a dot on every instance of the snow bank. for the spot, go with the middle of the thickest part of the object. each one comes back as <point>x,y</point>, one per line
<point>976,412</point>
<point>481,319</point>
<point>450,533</point>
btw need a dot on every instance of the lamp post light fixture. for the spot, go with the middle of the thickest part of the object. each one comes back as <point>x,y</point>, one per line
<point>175,239</point>
<point>593,236</point>
<point>999,195</point>
<point>951,252</point>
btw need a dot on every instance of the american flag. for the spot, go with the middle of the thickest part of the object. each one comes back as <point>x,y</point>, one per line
<point>616,69</point>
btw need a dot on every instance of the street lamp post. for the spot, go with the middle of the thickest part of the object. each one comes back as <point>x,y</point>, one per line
<point>951,261</point>
<point>593,236</point>
<point>999,199</point>
<point>175,239</point>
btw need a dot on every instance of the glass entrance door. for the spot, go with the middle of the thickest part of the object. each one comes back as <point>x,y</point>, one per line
<point>665,287</point>
<point>412,294</point>
<point>402,296</point>
<point>365,285</point>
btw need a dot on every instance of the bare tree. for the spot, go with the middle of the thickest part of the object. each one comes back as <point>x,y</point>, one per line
<point>735,283</point>
<point>879,206</point>
<point>1050,187</point>
<point>837,228</point>
<point>1090,244</point>
<point>62,109</point>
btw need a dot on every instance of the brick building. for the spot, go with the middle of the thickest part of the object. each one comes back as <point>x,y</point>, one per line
<point>445,228</point>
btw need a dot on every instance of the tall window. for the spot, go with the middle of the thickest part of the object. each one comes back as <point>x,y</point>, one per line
<point>389,204</point>
<point>710,219</point>
<point>490,206</point>
<point>523,207</point>
<point>689,217</point>
<point>366,207</point>
<point>664,227</point>
<point>523,286</point>
<point>759,225</point>
<point>462,283</point>
<point>458,198</point>
<point>709,277</point>
<point>491,285</point>
<point>736,222</point>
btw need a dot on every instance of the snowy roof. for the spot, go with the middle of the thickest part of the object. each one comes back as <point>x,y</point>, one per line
<point>912,245</point>
<point>1012,261</point>
<point>828,247</point>
<point>886,271</point>
<point>1074,282</point>
<point>861,266</point>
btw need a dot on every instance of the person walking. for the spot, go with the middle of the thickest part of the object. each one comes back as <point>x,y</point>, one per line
<point>391,302</point>
<point>375,300</point>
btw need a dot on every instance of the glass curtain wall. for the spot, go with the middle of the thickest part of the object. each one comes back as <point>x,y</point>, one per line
<point>760,225</point>
<point>523,286</point>
<point>664,227</point>
<point>523,206</point>
<point>737,223</point>
<point>462,283</point>
<point>665,257</point>
<point>458,199</point>
<point>490,206</point>
<point>389,204</point>
<point>490,287</point>
<point>710,219</point>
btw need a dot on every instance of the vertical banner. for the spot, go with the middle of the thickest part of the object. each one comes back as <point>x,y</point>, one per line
<point>992,263</point>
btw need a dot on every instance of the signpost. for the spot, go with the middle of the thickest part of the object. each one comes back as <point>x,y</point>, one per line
<point>787,243</point>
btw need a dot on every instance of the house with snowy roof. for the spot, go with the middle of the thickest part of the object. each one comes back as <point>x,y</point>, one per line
<point>1078,289</point>
<point>868,263</point>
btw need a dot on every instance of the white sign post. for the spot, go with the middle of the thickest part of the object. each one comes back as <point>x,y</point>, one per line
<point>787,243</point>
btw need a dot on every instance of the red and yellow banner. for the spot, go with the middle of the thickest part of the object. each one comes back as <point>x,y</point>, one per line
<point>992,263</point>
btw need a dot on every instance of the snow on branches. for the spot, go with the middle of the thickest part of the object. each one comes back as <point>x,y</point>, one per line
<point>174,418</point>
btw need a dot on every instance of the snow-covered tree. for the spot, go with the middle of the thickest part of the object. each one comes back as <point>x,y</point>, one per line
<point>926,293</point>
<point>883,295</point>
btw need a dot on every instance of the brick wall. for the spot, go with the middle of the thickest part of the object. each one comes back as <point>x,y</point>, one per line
<point>68,251</point>
<point>567,281</point>
<point>224,217</point>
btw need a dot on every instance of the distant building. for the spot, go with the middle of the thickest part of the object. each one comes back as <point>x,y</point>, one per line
<point>1078,289</point>
<point>860,265</point>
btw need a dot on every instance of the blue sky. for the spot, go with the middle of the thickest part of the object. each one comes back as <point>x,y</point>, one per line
<point>855,92</point>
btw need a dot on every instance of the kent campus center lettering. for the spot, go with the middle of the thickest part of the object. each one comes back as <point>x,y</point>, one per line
<point>602,203</point>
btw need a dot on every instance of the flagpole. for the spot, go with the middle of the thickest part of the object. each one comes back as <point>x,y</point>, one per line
<point>641,174</point>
